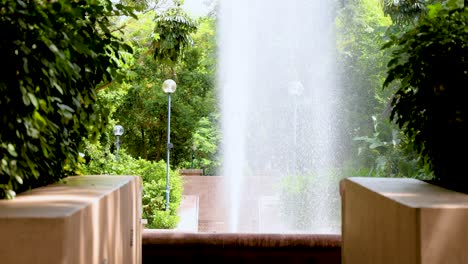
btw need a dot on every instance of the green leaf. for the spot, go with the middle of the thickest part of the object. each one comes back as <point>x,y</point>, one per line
<point>64,107</point>
<point>39,119</point>
<point>22,3</point>
<point>33,99</point>
<point>26,100</point>
<point>376,145</point>
<point>19,179</point>
<point>11,150</point>
<point>10,194</point>
<point>53,48</point>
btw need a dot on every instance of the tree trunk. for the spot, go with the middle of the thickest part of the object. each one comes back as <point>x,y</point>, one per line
<point>145,154</point>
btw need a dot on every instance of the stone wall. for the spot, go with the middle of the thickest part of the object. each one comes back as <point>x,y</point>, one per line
<point>212,210</point>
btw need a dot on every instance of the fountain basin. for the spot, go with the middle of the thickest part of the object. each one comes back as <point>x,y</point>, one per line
<point>177,247</point>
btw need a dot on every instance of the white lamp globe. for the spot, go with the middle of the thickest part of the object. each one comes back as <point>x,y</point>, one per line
<point>118,130</point>
<point>169,86</point>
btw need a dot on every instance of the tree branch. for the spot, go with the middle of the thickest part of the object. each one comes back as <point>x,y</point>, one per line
<point>119,28</point>
<point>104,86</point>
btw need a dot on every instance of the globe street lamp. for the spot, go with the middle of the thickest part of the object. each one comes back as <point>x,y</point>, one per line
<point>169,87</point>
<point>295,89</point>
<point>118,131</point>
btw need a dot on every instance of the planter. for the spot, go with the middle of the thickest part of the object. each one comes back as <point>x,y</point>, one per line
<point>87,219</point>
<point>395,220</point>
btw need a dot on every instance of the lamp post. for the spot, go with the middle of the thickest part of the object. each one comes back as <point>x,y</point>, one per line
<point>118,131</point>
<point>169,87</point>
<point>295,89</point>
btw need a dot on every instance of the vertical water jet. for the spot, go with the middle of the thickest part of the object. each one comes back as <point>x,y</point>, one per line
<point>277,84</point>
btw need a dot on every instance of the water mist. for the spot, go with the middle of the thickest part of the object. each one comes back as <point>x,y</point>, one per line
<point>277,84</point>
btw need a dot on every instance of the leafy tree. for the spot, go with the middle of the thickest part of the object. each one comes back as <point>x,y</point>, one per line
<point>429,70</point>
<point>389,154</point>
<point>142,109</point>
<point>54,54</point>
<point>404,12</point>
<point>375,145</point>
<point>361,28</point>
<point>172,36</point>
<point>206,139</point>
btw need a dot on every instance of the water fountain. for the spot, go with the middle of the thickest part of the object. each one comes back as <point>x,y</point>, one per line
<point>278,95</point>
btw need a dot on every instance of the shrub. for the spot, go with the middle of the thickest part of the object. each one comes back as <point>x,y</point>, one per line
<point>153,175</point>
<point>54,54</point>
<point>429,69</point>
<point>154,206</point>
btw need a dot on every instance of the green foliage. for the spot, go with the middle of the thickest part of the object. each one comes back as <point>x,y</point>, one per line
<point>361,28</point>
<point>206,140</point>
<point>141,107</point>
<point>153,175</point>
<point>164,220</point>
<point>429,69</point>
<point>404,12</point>
<point>153,204</point>
<point>53,54</point>
<point>377,146</point>
<point>172,35</point>
<point>389,153</point>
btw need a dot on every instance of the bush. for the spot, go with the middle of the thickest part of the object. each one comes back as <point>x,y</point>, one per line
<point>153,204</point>
<point>54,54</point>
<point>153,175</point>
<point>387,154</point>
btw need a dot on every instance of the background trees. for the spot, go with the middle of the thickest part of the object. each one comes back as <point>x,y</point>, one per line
<point>376,146</point>
<point>406,12</point>
<point>73,69</point>
<point>166,45</point>
<point>141,106</point>
<point>418,40</point>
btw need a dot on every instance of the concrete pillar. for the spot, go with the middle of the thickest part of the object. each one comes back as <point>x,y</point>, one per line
<point>404,221</point>
<point>82,220</point>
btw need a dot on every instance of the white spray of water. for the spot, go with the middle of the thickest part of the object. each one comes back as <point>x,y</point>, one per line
<point>277,88</point>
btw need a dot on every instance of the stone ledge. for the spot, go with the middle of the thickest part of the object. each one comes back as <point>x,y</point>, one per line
<point>240,248</point>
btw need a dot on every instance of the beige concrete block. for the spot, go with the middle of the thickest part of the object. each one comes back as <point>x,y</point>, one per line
<point>87,219</point>
<point>404,221</point>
